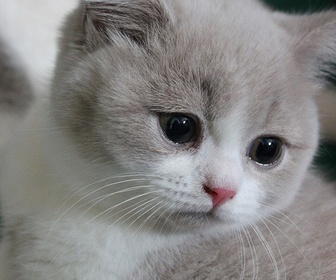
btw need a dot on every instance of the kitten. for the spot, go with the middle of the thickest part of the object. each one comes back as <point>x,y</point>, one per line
<point>170,125</point>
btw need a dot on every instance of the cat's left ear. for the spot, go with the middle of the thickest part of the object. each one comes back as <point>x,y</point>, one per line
<point>314,39</point>
<point>105,20</point>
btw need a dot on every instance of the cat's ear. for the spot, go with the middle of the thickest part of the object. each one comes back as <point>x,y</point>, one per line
<point>314,39</point>
<point>103,21</point>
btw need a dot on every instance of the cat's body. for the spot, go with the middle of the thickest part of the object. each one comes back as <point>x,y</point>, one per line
<point>97,184</point>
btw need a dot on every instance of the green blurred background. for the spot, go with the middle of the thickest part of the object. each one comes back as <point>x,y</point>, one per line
<point>297,6</point>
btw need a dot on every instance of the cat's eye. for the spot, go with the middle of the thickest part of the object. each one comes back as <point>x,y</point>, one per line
<point>179,128</point>
<point>266,150</point>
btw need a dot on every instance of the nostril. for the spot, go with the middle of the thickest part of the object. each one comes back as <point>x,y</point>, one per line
<point>219,195</point>
<point>208,190</point>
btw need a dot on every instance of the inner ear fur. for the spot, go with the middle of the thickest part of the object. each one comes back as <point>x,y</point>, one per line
<point>314,39</point>
<point>134,20</point>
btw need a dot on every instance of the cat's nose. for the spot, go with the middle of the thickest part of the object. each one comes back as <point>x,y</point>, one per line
<point>219,195</point>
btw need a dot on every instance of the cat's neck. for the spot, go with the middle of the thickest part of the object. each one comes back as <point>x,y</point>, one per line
<point>110,250</point>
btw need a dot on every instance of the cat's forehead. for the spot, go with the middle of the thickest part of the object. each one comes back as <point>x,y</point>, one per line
<point>213,60</point>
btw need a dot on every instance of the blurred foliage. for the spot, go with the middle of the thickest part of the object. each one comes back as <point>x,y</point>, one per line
<point>326,159</point>
<point>301,6</point>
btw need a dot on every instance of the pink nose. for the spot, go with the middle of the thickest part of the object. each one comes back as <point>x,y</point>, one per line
<point>219,195</point>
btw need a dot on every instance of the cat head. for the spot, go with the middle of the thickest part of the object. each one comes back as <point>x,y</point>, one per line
<point>208,104</point>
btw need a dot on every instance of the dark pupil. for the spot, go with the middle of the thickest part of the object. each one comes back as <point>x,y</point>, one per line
<point>268,151</point>
<point>180,129</point>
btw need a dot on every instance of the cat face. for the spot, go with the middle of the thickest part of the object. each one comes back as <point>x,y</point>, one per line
<point>205,104</point>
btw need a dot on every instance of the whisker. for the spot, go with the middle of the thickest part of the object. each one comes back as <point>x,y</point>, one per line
<point>242,254</point>
<point>134,214</point>
<point>167,218</point>
<point>121,203</point>
<point>291,222</point>
<point>253,251</point>
<point>158,218</point>
<point>300,251</point>
<point>93,184</point>
<point>148,218</point>
<point>104,197</point>
<point>277,245</point>
<point>267,248</point>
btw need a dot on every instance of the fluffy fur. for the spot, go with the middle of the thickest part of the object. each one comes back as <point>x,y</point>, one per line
<point>91,187</point>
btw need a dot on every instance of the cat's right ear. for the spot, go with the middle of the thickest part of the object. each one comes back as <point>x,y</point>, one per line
<point>314,42</point>
<point>105,21</point>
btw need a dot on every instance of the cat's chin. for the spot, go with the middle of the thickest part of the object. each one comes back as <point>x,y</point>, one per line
<point>197,221</point>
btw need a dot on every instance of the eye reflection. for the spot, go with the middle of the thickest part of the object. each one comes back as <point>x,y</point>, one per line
<point>179,128</point>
